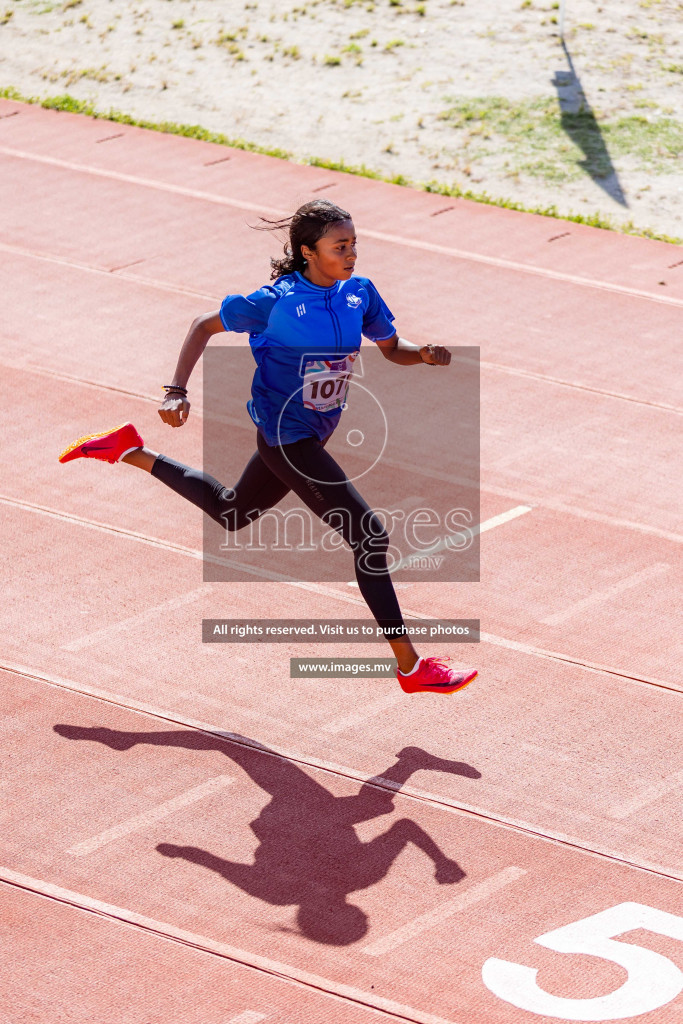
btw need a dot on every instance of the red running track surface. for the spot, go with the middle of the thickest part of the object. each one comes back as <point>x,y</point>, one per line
<point>192,835</point>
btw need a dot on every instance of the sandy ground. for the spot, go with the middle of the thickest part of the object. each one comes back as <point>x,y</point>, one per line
<point>475,93</point>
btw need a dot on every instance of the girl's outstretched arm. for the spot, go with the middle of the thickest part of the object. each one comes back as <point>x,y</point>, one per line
<point>175,408</point>
<point>405,353</point>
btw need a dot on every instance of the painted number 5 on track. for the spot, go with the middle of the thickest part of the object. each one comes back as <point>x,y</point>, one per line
<point>653,980</point>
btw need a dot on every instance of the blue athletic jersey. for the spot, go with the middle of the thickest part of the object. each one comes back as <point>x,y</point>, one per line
<point>304,339</point>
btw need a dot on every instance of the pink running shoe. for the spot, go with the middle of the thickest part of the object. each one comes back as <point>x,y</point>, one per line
<point>109,446</point>
<point>432,675</point>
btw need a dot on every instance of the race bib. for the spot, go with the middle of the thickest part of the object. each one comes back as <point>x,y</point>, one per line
<point>326,382</point>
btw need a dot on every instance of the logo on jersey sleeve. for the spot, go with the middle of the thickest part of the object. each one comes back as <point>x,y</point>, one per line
<point>353,301</point>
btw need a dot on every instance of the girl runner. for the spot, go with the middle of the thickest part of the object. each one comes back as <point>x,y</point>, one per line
<point>315,305</point>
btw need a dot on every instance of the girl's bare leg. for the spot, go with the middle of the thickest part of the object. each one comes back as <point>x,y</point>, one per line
<point>406,655</point>
<point>143,458</point>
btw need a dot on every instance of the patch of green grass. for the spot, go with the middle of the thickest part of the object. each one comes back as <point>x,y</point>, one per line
<point>331,60</point>
<point>94,74</point>
<point>232,36</point>
<point>228,41</point>
<point>74,106</point>
<point>537,131</point>
<point>594,220</point>
<point>355,51</point>
<point>657,142</point>
<point>341,165</point>
<point>38,7</point>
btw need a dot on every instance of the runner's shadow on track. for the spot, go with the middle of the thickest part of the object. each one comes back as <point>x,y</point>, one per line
<point>309,854</point>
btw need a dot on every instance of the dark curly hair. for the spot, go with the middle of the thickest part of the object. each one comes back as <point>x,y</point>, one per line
<point>306,226</point>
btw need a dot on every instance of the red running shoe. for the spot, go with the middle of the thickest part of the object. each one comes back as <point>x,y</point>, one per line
<point>109,446</point>
<point>432,675</point>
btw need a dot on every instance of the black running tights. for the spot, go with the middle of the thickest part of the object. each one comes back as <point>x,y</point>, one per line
<point>307,469</point>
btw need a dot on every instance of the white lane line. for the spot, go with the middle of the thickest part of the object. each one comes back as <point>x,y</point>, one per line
<point>375,707</point>
<point>343,597</point>
<point>444,803</point>
<point>539,501</point>
<point>524,268</point>
<point>141,821</point>
<point>566,659</point>
<point>489,524</point>
<point>154,542</point>
<point>282,972</point>
<point>598,596</point>
<point>144,282</point>
<point>134,620</point>
<point>380,236</point>
<point>547,379</point>
<point>648,796</point>
<point>248,1017</point>
<point>216,299</point>
<point>504,517</point>
<point>439,914</point>
<point>135,179</point>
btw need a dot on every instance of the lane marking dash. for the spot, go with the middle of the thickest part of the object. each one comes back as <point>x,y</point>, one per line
<point>346,598</point>
<point>489,524</point>
<point>375,707</point>
<point>443,802</point>
<point>499,262</point>
<point>149,613</point>
<point>141,821</point>
<point>439,914</point>
<point>598,596</point>
<point>648,796</point>
<point>275,969</point>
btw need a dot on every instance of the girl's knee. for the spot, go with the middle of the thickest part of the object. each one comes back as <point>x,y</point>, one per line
<point>229,514</point>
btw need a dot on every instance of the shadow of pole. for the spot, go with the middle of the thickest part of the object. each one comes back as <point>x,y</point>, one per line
<point>580,124</point>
